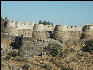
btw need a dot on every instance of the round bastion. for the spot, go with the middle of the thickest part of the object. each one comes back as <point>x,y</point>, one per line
<point>38,27</point>
<point>60,28</point>
<point>88,32</point>
<point>38,32</point>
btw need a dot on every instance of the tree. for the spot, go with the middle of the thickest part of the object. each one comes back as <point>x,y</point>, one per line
<point>45,23</point>
<point>53,49</point>
<point>6,22</point>
<point>17,43</point>
<point>6,18</point>
<point>40,22</point>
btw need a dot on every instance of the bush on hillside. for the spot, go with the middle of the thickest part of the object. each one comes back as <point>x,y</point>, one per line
<point>53,49</point>
<point>12,54</point>
<point>26,67</point>
<point>62,68</point>
<point>46,66</point>
<point>17,43</point>
<point>88,46</point>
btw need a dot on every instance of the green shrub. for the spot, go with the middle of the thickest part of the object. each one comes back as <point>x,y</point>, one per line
<point>45,22</point>
<point>26,67</point>
<point>53,49</point>
<point>88,46</point>
<point>8,57</point>
<point>62,68</point>
<point>12,54</point>
<point>46,66</point>
<point>71,50</point>
<point>66,52</point>
<point>17,43</point>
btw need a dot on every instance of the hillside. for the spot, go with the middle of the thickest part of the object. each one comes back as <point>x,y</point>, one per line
<point>72,57</point>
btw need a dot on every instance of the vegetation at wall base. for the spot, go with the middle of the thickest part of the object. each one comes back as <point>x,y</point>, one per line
<point>53,49</point>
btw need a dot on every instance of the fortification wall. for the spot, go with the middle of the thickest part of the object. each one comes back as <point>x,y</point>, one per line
<point>31,46</point>
<point>39,35</point>
<point>11,25</point>
<point>91,26</point>
<point>60,28</point>
<point>49,28</point>
<point>74,28</point>
<point>25,28</point>
<point>38,27</point>
<point>13,32</point>
<point>59,32</point>
<point>25,32</point>
<point>67,35</point>
<point>87,33</point>
<point>68,28</point>
<point>11,28</point>
<point>87,27</point>
<point>20,28</point>
<point>38,32</point>
<point>25,25</point>
<point>63,32</point>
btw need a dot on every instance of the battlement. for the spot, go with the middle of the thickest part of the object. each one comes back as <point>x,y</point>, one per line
<point>38,27</point>
<point>37,31</point>
<point>68,28</point>
<point>25,25</point>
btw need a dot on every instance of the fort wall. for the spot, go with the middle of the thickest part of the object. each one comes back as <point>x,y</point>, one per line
<point>49,28</point>
<point>11,25</point>
<point>38,32</point>
<point>20,28</point>
<point>87,33</point>
<point>38,27</point>
<point>63,32</point>
<point>39,35</point>
<point>58,32</point>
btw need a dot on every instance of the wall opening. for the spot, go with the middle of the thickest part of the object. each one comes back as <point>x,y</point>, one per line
<point>49,34</point>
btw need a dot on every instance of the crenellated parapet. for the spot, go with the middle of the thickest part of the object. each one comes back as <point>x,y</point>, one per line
<point>58,32</point>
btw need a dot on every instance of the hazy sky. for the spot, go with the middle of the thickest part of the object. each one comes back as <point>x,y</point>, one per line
<point>57,12</point>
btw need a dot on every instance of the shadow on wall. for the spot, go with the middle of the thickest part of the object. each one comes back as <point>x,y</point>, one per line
<point>50,34</point>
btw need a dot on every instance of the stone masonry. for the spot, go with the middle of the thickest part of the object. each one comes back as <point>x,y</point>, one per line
<point>58,32</point>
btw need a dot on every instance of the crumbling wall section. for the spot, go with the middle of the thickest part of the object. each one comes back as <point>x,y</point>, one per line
<point>20,28</point>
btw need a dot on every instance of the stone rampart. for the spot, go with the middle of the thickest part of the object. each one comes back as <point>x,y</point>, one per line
<point>39,35</point>
<point>59,32</point>
<point>87,33</point>
<point>38,27</point>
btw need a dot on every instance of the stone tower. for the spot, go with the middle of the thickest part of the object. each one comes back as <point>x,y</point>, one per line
<point>87,33</point>
<point>60,32</point>
<point>63,32</point>
<point>38,32</point>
